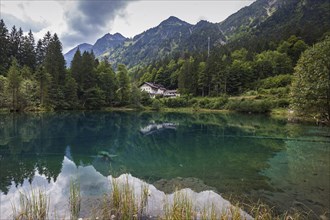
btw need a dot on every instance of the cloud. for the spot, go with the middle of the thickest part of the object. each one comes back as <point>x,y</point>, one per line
<point>26,24</point>
<point>91,19</point>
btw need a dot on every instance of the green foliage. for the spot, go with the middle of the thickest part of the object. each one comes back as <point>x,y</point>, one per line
<point>272,63</point>
<point>13,85</point>
<point>123,84</point>
<point>145,99</point>
<point>70,93</point>
<point>135,96</point>
<point>175,102</point>
<point>275,82</point>
<point>94,98</point>
<point>3,87</point>
<point>156,105</point>
<point>107,82</point>
<point>311,82</point>
<point>249,106</point>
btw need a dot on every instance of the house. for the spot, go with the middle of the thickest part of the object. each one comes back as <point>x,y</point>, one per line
<point>156,89</point>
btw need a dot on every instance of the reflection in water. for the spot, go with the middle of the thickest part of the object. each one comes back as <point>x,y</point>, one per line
<point>153,127</point>
<point>232,154</point>
<point>93,186</point>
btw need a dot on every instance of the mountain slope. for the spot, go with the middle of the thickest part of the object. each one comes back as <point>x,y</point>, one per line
<point>170,36</point>
<point>107,42</point>
<point>70,54</point>
<point>259,24</point>
<point>275,20</point>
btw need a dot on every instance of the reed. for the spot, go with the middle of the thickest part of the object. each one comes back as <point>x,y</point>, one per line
<point>74,200</point>
<point>32,205</point>
<point>181,208</point>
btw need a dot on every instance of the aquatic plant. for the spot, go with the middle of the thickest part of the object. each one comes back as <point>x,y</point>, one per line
<point>181,208</point>
<point>74,200</point>
<point>32,205</point>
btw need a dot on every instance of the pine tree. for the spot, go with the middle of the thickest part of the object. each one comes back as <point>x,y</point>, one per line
<point>202,77</point>
<point>55,65</point>
<point>123,84</point>
<point>14,82</point>
<point>70,92</point>
<point>44,80</point>
<point>4,48</point>
<point>107,81</point>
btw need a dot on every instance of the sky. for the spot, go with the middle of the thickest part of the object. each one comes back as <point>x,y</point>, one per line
<point>85,21</point>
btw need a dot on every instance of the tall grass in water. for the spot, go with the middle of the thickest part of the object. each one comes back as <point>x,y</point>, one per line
<point>33,205</point>
<point>74,200</point>
<point>181,208</point>
<point>122,202</point>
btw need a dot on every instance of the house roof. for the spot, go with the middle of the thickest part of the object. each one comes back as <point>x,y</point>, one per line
<point>154,85</point>
<point>171,91</point>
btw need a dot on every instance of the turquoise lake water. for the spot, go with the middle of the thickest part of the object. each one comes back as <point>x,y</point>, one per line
<point>238,156</point>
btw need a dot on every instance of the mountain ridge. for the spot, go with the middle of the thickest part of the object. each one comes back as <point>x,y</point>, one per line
<point>259,23</point>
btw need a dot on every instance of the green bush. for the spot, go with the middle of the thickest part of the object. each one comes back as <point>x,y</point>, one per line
<point>156,105</point>
<point>219,103</point>
<point>175,102</point>
<point>275,82</point>
<point>145,99</point>
<point>204,103</point>
<point>249,106</point>
<point>282,103</point>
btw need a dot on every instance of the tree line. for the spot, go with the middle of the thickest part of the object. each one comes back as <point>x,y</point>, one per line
<point>225,71</point>
<point>34,76</point>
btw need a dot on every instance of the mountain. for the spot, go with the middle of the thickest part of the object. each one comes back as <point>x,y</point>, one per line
<point>276,20</point>
<point>252,27</point>
<point>82,47</point>
<point>107,42</point>
<point>170,36</point>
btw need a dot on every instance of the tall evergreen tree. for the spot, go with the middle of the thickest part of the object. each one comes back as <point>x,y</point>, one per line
<point>4,48</point>
<point>14,82</point>
<point>123,84</point>
<point>202,78</point>
<point>44,80</point>
<point>55,65</point>
<point>14,42</point>
<point>76,65</point>
<point>107,81</point>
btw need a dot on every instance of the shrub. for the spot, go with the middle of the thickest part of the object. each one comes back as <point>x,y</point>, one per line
<point>175,102</point>
<point>275,82</point>
<point>219,103</point>
<point>156,105</point>
<point>249,106</point>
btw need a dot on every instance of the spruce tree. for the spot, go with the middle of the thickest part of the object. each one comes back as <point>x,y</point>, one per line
<point>14,82</point>
<point>123,84</point>
<point>4,48</point>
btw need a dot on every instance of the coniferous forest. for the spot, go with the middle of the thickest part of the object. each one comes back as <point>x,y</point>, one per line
<point>34,76</point>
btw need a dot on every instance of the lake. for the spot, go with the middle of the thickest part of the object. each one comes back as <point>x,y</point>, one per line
<point>246,157</point>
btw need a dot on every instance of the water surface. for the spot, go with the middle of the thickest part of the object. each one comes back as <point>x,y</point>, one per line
<point>285,165</point>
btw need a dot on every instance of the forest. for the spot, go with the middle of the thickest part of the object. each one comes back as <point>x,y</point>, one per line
<point>34,76</point>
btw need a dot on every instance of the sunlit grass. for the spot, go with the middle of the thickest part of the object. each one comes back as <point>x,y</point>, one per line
<point>74,200</point>
<point>123,202</point>
<point>181,208</point>
<point>32,205</point>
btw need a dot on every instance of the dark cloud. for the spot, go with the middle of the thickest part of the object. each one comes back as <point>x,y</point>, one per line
<point>26,24</point>
<point>91,19</point>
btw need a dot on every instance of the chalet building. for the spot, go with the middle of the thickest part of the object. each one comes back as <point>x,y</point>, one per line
<point>156,89</point>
